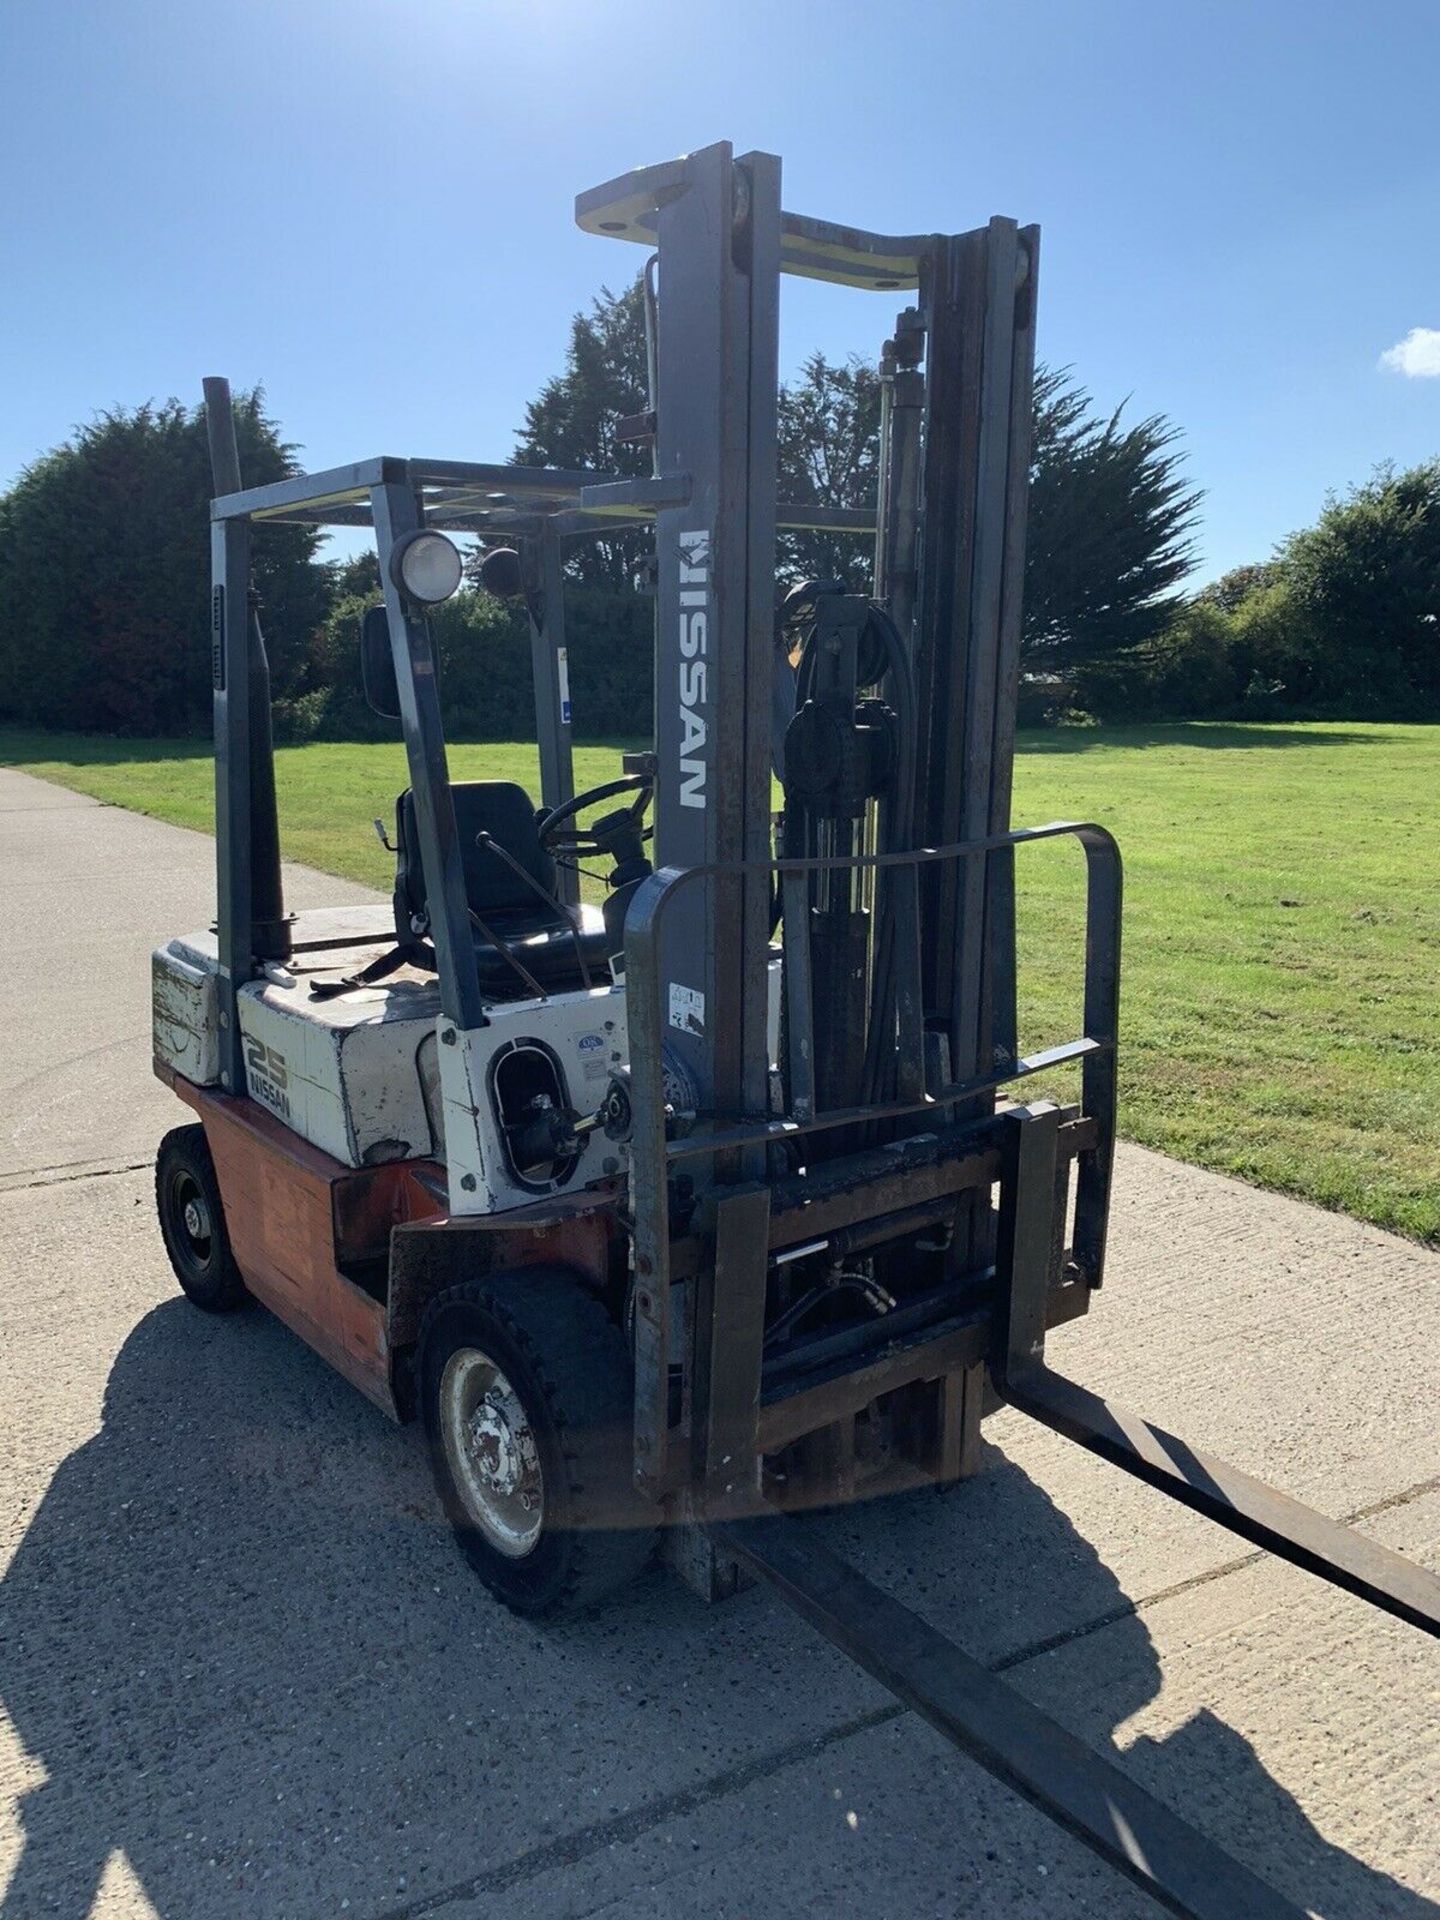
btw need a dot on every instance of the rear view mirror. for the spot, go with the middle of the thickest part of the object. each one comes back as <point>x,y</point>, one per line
<point>377,664</point>
<point>502,574</point>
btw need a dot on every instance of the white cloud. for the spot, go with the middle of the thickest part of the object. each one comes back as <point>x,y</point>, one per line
<point>1417,356</point>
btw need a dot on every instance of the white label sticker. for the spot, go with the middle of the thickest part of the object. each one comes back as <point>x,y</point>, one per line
<point>687,1009</point>
<point>592,1050</point>
<point>562,666</point>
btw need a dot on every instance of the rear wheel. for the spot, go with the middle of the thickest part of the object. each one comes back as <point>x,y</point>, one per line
<point>527,1394</point>
<point>192,1222</point>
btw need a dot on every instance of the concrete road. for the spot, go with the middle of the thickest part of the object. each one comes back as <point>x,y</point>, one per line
<point>243,1671</point>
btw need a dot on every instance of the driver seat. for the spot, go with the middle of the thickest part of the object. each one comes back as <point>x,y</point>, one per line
<point>544,935</point>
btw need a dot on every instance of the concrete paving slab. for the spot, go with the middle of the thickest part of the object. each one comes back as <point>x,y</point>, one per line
<point>885,1822</point>
<point>90,890</point>
<point>21,793</point>
<point>244,1672</point>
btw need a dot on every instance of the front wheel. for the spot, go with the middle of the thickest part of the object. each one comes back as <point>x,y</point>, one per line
<point>527,1395</point>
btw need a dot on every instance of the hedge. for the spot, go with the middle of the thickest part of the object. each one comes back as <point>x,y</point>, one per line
<point>485,673</point>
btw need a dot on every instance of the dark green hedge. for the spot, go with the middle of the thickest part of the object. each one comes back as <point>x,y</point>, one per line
<point>105,575</point>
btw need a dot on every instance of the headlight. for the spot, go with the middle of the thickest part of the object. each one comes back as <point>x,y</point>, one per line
<point>426,566</point>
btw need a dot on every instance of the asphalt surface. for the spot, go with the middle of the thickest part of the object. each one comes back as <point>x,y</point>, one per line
<point>243,1671</point>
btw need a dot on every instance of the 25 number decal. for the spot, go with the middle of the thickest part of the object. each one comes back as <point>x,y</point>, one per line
<point>266,1062</point>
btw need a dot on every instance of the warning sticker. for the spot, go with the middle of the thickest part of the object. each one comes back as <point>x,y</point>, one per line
<point>562,665</point>
<point>592,1050</point>
<point>687,1009</point>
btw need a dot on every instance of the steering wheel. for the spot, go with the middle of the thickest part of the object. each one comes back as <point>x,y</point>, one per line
<point>608,834</point>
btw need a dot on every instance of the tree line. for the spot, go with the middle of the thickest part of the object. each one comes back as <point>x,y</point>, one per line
<point>1343,622</point>
<point>104,572</point>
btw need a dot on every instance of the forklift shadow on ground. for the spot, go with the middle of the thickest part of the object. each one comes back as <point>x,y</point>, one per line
<point>241,1651</point>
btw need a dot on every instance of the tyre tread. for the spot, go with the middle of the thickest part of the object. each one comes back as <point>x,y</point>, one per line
<point>189,1145</point>
<point>578,1358</point>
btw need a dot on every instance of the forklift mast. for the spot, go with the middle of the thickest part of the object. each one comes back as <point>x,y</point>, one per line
<point>723,242</point>
<point>898,919</point>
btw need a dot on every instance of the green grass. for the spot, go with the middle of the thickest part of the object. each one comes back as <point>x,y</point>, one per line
<point>328,795</point>
<point>1282,935</point>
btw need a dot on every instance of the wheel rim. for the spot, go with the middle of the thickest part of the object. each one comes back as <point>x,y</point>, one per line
<point>191,1212</point>
<point>492,1452</point>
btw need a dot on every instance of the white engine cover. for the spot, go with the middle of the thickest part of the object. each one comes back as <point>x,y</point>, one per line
<point>346,1073</point>
<point>359,1075</point>
<point>375,1074</point>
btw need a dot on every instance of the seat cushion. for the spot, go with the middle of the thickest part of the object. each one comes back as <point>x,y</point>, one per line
<point>551,960</point>
<point>504,811</point>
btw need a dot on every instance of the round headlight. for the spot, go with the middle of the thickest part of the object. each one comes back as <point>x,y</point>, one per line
<point>426,566</point>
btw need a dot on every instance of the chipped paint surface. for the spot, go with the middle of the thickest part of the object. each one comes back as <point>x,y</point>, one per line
<point>348,1078</point>
<point>361,1076</point>
<point>183,1009</point>
<point>586,1033</point>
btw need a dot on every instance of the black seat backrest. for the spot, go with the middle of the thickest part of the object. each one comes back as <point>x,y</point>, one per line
<point>506,812</point>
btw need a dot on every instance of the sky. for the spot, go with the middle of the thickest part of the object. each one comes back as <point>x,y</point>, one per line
<point>367,205</point>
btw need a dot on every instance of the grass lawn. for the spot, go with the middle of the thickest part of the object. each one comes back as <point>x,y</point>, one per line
<point>1282,961</point>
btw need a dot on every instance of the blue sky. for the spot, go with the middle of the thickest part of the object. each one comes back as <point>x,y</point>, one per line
<point>367,204</point>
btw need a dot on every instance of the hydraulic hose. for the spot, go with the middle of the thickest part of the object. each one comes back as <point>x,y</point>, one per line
<point>895,825</point>
<point>897,828</point>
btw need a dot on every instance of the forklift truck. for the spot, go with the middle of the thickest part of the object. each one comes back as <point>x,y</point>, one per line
<point>672,1218</point>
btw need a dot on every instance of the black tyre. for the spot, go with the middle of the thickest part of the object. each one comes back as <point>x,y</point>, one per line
<point>192,1222</point>
<point>527,1393</point>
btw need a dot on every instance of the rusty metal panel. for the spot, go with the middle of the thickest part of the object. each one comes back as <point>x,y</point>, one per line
<point>276,1191</point>
<point>579,1230</point>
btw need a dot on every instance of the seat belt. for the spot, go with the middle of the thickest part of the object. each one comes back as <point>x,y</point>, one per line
<point>379,969</point>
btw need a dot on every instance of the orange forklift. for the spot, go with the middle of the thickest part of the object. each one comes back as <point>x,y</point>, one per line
<point>673,1217</point>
